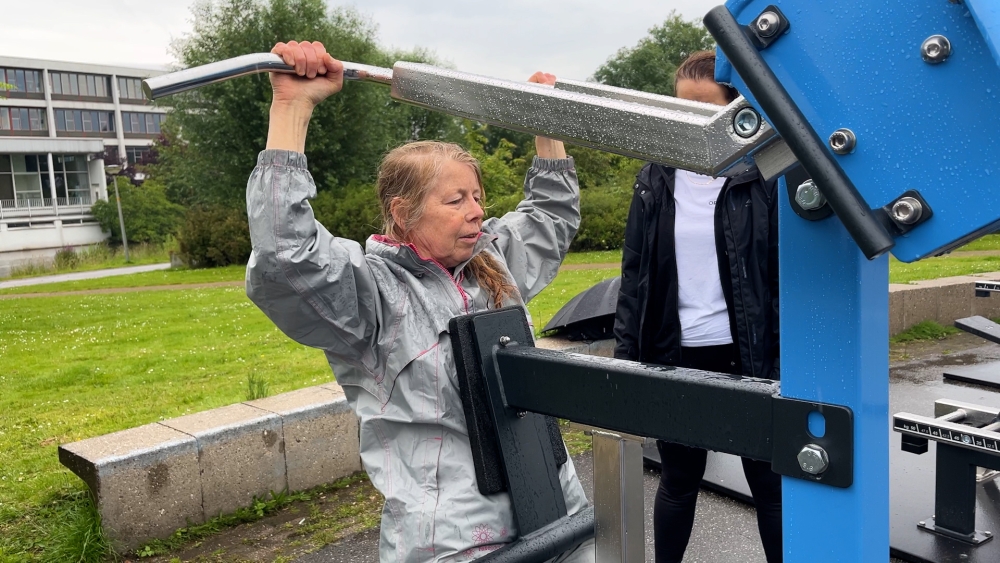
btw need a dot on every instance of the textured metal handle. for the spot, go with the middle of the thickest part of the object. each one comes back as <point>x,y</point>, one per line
<point>191,78</point>
<point>791,124</point>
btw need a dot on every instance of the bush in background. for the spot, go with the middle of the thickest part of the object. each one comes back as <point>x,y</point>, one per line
<point>351,212</point>
<point>149,216</point>
<point>215,235</point>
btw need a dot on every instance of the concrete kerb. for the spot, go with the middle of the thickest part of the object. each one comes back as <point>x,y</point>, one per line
<point>152,480</point>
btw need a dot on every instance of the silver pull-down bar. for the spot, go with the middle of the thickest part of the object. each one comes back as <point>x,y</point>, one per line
<point>690,135</point>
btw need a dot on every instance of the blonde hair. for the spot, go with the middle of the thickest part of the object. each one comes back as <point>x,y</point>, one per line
<point>407,172</point>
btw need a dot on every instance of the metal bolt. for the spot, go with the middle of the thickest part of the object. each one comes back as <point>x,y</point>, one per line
<point>504,340</point>
<point>767,24</point>
<point>813,459</point>
<point>988,534</point>
<point>843,141</point>
<point>935,49</point>
<point>907,210</point>
<point>522,414</point>
<point>922,523</point>
<point>746,122</point>
<point>808,196</point>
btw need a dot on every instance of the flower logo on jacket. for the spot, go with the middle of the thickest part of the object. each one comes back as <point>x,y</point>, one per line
<point>482,534</point>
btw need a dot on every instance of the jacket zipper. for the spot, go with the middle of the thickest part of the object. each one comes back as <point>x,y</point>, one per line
<point>739,280</point>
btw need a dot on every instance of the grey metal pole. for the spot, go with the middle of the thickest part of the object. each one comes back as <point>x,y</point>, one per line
<point>121,220</point>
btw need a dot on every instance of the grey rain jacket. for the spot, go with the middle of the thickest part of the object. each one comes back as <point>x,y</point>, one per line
<point>381,316</point>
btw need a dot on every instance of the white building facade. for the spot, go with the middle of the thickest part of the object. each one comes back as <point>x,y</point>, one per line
<point>55,123</point>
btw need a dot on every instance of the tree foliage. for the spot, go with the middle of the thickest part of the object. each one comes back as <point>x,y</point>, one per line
<point>214,133</point>
<point>149,216</point>
<point>650,65</point>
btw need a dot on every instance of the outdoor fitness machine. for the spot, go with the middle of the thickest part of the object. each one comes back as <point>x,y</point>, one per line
<point>881,113</point>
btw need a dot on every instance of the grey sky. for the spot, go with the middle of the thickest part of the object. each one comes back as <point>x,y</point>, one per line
<point>502,38</point>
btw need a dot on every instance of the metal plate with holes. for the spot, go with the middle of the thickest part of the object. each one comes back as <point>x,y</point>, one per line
<point>919,126</point>
<point>791,416</point>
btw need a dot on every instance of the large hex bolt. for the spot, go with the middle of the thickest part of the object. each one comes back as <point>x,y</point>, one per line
<point>813,459</point>
<point>808,196</point>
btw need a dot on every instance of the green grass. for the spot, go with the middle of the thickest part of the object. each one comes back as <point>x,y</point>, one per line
<point>594,257</point>
<point>927,330</point>
<point>83,366</point>
<point>988,242</point>
<point>145,279</point>
<point>566,285</point>
<point>943,267</point>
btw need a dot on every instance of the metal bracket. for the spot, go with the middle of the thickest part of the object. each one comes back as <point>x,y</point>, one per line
<point>985,289</point>
<point>905,213</point>
<point>792,437</point>
<point>768,27</point>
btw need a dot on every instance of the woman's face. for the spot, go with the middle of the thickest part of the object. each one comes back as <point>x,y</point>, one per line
<point>453,216</point>
<point>707,91</point>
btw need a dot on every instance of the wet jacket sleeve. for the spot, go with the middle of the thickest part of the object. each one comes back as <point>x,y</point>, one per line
<point>317,288</point>
<point>627,312</point>
<point>535,236</point>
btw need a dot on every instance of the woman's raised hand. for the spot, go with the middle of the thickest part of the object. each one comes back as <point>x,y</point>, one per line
<point>545,147</point>
<point>317,74</point>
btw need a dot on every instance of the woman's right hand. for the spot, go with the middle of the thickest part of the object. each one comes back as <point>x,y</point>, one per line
<point>317,75</point>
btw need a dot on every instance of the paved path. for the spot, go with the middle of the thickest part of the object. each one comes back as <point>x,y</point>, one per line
<point>93,274</point>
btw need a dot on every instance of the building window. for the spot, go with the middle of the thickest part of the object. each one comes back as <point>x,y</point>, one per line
<point>136,155</point>
<point>25,180</point>
<point>142,123</point>
<point>75,84</point>
<point>130,88</point>
<point>85,121</point>
<point>29,81</point>
<point>22,119</point>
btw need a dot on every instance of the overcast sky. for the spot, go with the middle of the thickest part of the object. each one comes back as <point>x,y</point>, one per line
<point>502,38</point>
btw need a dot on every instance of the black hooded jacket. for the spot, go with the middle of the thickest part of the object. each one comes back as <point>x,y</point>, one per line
<point>647,322</point>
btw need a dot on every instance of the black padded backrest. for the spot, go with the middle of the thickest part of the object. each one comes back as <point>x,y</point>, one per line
<point>486,457</point>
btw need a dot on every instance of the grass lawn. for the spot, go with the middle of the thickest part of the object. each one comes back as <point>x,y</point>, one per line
<point>145,279</point>
<point>943,267</point>
<point>76,367</point>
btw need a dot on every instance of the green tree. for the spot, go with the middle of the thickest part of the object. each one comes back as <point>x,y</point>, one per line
<point>224,125</point>
<point>149,216</point>
<point>651,64</point>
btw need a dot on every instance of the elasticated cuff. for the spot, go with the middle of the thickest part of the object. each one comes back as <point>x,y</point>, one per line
<point>281,157</point>
<point>553,164</point>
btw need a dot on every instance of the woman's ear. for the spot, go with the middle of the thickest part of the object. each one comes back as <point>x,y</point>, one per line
<point>397,207</point>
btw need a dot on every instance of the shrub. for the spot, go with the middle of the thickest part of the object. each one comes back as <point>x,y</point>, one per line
<point>215,235</point>
<point>66,259</point>
<point>604,212</point>
<point>351,212</point>
<point>149,216</point>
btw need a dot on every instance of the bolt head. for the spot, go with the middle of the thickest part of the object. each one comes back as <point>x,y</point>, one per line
<point>808,196</point>
<point>504,340</point>
<point>843,141</point>
<point>907,210</point>
<point>813,459</point>
<point>767,24</point>
<point>746,122</point>
<point>935,49</point>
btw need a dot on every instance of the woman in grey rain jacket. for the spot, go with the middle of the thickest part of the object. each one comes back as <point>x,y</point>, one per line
<point>381,313</point>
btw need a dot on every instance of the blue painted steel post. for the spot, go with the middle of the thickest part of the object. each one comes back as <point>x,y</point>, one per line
<point>835,349</point>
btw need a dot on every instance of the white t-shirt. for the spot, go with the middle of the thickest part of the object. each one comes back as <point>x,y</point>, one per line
<point>703,313</point>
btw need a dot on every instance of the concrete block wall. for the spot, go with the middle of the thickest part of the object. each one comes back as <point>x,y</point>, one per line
<point>943,300</point>
<point>152,480</point>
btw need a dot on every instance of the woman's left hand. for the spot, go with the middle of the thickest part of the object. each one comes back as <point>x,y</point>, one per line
<point>544,146</point>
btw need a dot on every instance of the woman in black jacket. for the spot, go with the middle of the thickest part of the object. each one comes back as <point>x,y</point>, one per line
<point>699,290</point>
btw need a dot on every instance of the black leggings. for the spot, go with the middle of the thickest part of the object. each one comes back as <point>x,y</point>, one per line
<point>684,467</point>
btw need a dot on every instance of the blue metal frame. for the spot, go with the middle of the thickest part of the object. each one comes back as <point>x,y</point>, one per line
<point>834,349</point>
<point>920,126</point>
